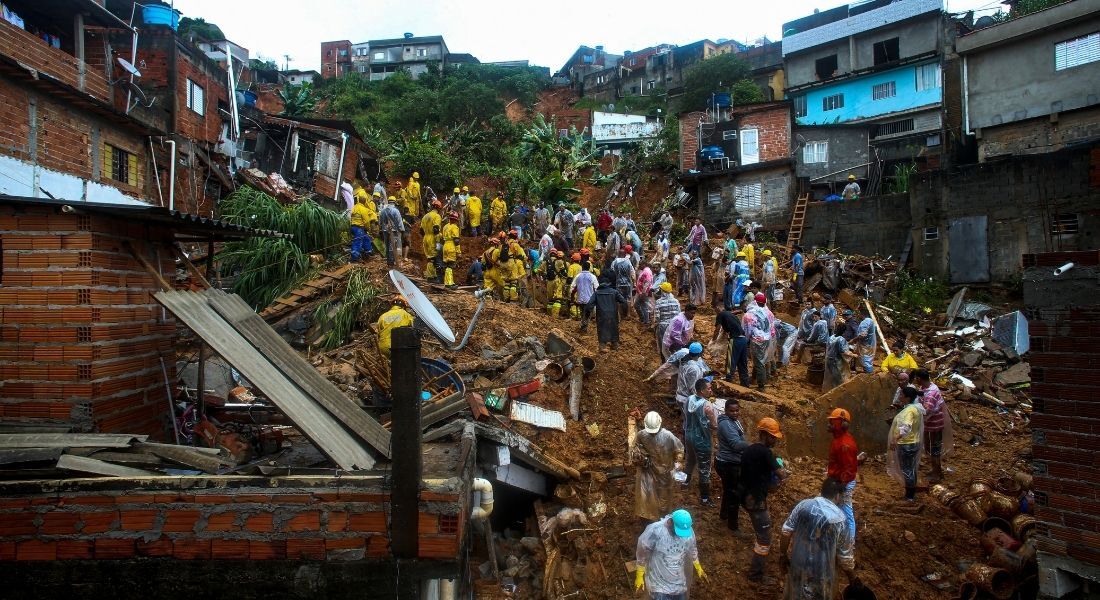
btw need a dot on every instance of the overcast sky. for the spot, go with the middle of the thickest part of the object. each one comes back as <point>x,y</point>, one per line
<point>546,33</point>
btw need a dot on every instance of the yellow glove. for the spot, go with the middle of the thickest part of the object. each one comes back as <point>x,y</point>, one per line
<point>639,578</point>
<point>699,572</point>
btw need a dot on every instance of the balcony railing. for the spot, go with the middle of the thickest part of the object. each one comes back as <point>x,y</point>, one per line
<point>31,52</point>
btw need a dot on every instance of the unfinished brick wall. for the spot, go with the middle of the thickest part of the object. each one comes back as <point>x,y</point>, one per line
<point>1064,323</point>
<point>325,185</point>
<point>206,127</point>
<point>254,523</point>
<point>81,337</point>
<point>31,51</point>
<point>773,128</point>
<point>689,140</point>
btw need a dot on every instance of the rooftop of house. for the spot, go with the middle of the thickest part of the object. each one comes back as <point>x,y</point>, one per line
<point>426,39</point>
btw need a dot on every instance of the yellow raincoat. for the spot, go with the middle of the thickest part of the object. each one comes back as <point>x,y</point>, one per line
<point>429,230</point>
<point>359,215</point>
<point>589,239</point>
<point>473,211</point>
<point>412,198</point>
<point>493,279</point>
<point>390,320</point>
<point>498,210</point>
<point>451,244</point>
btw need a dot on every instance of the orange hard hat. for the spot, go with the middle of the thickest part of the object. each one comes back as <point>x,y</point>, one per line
<point>494,241</point>
<point>840,413</point>
<point>576,256</point>
<point>771,426</point>
<point>436,204</point>
<point>502,235</point>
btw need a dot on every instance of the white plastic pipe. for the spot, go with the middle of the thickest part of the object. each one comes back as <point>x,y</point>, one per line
<point>172,177</point>
<point>340,169</point>
<point>446,589</point>
<point>486,508</point>
<point>1063,269</point>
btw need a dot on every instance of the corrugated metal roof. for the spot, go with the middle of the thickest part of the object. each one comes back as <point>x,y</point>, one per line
<point>180,222</point>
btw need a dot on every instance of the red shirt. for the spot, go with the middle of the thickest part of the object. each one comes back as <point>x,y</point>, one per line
<point>842,457</point>
<point>603,222</point>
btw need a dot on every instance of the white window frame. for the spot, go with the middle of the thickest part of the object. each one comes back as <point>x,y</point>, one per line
<point>714,197</point>
<point>815,152</point>
<point>750,146</point>
<point>832,102</point>
<point>800,106</point>
<point>379,55</point>
<point>1077,51</point>
<point>196,98</point>
<point>748,196</point>
<point>884,90</point>
<point>326,159</point>
<point>931,234</point>
<point>924,73</point>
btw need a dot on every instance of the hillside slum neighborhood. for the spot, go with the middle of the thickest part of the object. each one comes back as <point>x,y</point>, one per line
<point>245,350</point>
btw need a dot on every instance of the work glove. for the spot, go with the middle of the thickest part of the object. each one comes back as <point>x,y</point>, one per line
<point>639,578</point>
<point>699,572</point>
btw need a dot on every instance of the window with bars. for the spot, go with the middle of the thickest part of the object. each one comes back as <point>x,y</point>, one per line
<point>894,127</point>
<point>885,90</point>
<point>714,197</point>
<point>832,102</point>
<point>799,106</point>
<point>928,77</point>
<point>196,97</point>
<point>815,152</point>
<point>120,165</point>
<point>931,234</point>
<point>1077,51</point>
<point>747,196</point>
<point>1064,224</point>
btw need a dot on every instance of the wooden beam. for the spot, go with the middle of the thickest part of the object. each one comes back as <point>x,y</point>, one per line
<point>99,467</point>
<point>69,440</point>
<point>528,451</point>
<point>157,277</point>
<point>187,264</point>
<point>184,455</point>
<point>408,465</point>
<point>878,329</point>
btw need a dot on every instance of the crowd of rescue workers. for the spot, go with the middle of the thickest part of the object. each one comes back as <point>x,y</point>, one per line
<point>583,268</point>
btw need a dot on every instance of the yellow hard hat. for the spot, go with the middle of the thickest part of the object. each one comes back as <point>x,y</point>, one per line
<point>416,175</point>
<point>465,188</point>
<point>767,253</point>
<point>666,287</point>
<point>456,190</point>
<point>851,178</point>
<point>740,254</point>
<point>377,194</point>
<point>392,198</point>
<point>771,426</point>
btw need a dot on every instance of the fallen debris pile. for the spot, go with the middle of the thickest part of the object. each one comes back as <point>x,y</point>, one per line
<point>64,455</point>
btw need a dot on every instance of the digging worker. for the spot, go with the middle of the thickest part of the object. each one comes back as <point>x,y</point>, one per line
<point>837,353</point>
<point>866,339</point>
<point>656,453</point>
<point>494,280</point>
<point>473,215</point>
<point>606,302</point>
<point>430,226</point>
<point>623,272</point>
<point>727,461</point>
<point>690,370</point>
<point>452,248</point>
<point>843,463</point>
<point>412,196</point>
<point>565,221</point>
<point>680,330</point>
<point>759,325</point>
<point>737,348</point>
<point>760,470</point>
<point>899,360</point>
<point>904,442</point>
<point>819,540</point>
<point>664,550</point>
<point>393,227</point>
<point>700,419</point>
<point>581,291</point>
<point>936,421</point>
<point>360,239</point>
<point>665,309</point>
<point>393,318</point>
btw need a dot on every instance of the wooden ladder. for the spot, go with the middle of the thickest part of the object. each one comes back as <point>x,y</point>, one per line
<point>798,218</point>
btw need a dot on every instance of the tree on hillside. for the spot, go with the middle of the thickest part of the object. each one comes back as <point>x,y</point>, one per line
<point>745,91</point>
<point>298,100</point>
<point>198,29</point>
<point>717,74</point>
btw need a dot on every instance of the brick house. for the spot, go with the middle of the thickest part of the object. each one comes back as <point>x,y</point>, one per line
<point>1063,313</point>
<point>335,58</point>
<point>753,178</point>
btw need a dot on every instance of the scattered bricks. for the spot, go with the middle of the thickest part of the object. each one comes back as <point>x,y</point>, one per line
<point>266,550</point>
<point>74,549</point>
<point>99,522</point>
<point>261,523</point>
<point>114,548</point>
<point>307,521</point>
<point>298,549</point>
<point>222,522</point>
<point>336,522</point>
<point>13,524</point>
<point>36,550</point>
<point>191,549</point>
<point>59,523</point>
<point>367,522</point>
<point>180,521</point>
<point>137,520</point>
<point>161,547</point>
<point>229,549</point>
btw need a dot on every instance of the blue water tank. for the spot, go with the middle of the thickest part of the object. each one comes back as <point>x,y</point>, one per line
<point>722,99</point>
<point>159,14</point>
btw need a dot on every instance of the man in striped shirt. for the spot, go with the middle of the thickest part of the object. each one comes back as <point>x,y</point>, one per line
<point>935,420</point>
<point>581,290</point>
<point>664,310</point>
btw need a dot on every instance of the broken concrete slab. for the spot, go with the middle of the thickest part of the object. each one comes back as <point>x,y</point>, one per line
<point>1017,374</point>
<point>972,359</point>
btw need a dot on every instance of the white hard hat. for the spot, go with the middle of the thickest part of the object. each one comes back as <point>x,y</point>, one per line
<point>652,422</point>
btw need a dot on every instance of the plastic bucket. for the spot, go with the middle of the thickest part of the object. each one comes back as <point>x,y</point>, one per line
<point>249,98</point>
<point>158,14</point>
<point>443,374</point>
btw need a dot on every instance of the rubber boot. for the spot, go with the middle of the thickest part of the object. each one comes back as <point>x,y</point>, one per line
<point>449,277</point>
<point>553,308</point>
<point>575,312</point>
<point>429,270</point>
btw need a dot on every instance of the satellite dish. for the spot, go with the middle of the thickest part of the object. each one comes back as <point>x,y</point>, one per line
<point>422,306</point>
<point>129,68</point>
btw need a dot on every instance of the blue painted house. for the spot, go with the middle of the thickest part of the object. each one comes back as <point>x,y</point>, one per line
<point>877,64</point>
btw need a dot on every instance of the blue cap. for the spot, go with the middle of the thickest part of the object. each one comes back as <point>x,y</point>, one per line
<point>681,523</point>
<point>695,348</point>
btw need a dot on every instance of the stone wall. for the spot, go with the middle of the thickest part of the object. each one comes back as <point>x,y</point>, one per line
<point>869,226</point>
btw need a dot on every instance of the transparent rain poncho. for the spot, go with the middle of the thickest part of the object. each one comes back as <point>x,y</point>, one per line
<point>787,339</point>
<point>836,364</point>
<point>901,464</point>
<point>760,330</point>
<point>667,558</point>
<point>656,455</point>
<point>819,540</point>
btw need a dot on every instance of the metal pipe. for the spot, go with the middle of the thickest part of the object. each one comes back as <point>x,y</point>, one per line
<point>340,168</point>
<point>236,129</point>
<point>133,59</point>
<point>481,295</point>
<point>966,99</point>
<point>172,177</point>
<point>156,173</point>
<point>576,386</point>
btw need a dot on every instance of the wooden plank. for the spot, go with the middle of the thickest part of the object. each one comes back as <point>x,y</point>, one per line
<point>98,467</point>
<point>184,455</point>
<point>69,440</point>
<point>878,329</point>
<point>443,431</point>
<point>258,333</point>
<point>326,433</point>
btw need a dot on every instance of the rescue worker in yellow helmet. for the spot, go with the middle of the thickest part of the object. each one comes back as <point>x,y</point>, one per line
<point>491,259</point>
<point>498,210</point>
<point>473,214</point>
<point>412,196</point>
<point>372,213</point>
<point>429,230</point>
<point>361,243</point>
<point>518,267</point>
<point>588,240</point>
<point>555,288</point>
<point>451,248</point>
<point>390,320</point>
<point>571,273</point>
